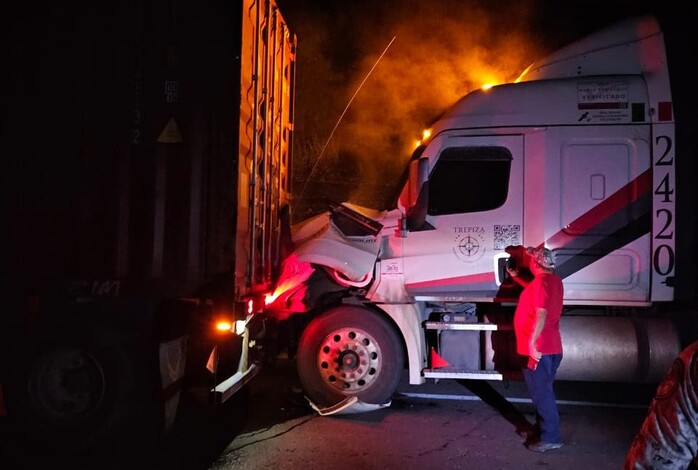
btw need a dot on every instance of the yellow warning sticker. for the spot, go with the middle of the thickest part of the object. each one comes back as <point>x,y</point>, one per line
<point>170,134</point>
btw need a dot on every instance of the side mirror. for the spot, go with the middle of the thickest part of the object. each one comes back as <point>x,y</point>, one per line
<point>418,193</point>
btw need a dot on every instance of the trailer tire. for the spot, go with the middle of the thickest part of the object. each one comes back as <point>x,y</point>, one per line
<point>78,390</point>
<point>349,350</point>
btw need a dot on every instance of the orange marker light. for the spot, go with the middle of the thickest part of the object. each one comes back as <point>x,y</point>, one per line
<point>224,326</point>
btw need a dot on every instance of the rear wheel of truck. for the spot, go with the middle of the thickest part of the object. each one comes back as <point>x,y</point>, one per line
<point>349,350</point>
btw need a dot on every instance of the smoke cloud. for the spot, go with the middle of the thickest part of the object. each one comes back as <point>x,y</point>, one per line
<point>440,50</point>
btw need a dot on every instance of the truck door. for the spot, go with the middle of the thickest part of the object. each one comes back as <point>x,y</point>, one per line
<point>475,210</point>
<point>600,224</point>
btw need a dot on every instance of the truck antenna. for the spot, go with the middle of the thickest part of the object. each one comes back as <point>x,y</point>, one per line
<point>342,115</point>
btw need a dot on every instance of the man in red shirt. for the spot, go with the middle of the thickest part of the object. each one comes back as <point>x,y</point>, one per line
<point>537,329</point>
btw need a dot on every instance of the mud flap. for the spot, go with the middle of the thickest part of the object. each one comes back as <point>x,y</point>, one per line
<point>350,405</point>
<point>172,360</point>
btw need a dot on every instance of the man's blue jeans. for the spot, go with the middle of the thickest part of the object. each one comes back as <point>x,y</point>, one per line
<point>540,387</point>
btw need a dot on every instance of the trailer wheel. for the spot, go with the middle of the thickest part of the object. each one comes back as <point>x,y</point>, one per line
<point>349,350</point>
<point>74,394</point>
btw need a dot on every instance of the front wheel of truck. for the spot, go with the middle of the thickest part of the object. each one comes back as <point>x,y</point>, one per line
<point>349,350</point>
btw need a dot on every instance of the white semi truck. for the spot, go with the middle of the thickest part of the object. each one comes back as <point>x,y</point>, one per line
<point>577,155</point>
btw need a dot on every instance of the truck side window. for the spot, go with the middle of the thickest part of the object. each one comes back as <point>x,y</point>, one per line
<point>469,179</point>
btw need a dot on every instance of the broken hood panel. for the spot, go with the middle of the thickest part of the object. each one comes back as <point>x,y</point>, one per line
<point>344,239</point>
<point>350,405</point>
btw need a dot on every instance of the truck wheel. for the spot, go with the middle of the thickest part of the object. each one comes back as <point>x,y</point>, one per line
<point>349,350</point>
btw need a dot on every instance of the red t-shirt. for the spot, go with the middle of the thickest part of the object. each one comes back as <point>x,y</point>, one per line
<point>545,291</point>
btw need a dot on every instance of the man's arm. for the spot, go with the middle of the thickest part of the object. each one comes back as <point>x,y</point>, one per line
<point>541,314</point>
<point>514,274</point>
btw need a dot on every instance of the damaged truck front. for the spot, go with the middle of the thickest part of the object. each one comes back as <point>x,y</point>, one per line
<point>579,156</point>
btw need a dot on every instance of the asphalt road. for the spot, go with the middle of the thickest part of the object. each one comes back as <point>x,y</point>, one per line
<point>442,425</point>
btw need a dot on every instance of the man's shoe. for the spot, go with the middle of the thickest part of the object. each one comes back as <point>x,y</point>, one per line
<point>541,446</point>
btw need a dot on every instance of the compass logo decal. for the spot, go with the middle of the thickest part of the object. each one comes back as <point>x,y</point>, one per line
<point>468,243</point>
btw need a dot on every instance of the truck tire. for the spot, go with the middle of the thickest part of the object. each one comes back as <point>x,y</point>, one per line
<point>349,350</point>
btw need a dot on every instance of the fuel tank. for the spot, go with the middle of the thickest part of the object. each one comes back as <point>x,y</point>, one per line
<point>602,348</point>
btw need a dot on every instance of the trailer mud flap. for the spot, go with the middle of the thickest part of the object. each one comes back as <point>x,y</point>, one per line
<point>172,355</point>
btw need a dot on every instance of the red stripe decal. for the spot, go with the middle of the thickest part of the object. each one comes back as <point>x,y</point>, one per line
<point>597,214</point>
<point>461,280</point>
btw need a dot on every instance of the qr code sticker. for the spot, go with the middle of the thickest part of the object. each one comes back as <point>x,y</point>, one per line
<point>505,235</point>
